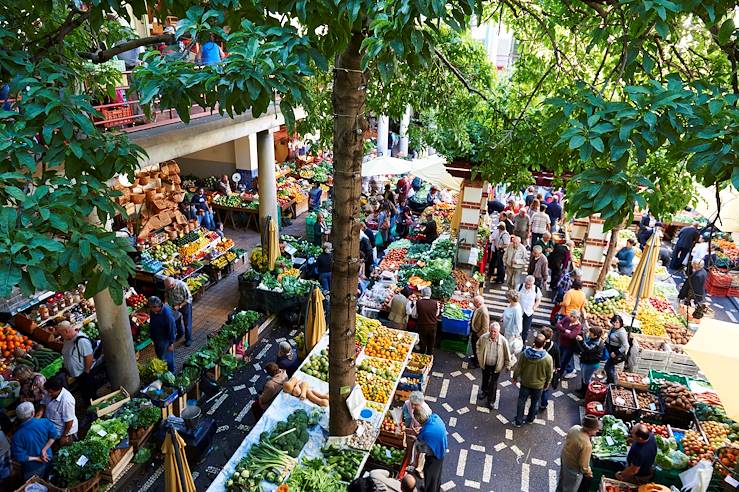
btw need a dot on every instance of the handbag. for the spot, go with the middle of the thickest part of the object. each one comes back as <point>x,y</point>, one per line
<point>378,239</point>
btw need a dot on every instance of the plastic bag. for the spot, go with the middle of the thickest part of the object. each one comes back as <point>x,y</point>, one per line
<point>697,478</point>
<point>516,345</point>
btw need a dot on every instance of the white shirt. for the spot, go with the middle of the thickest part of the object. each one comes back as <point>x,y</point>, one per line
<point>60,410</point>
<point>528,297</point>
<point>74,352</point>
<point>700,250</point>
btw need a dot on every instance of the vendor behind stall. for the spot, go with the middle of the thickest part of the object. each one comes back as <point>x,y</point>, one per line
<point>79,359</point>
<point>641,457</point>
<point>287,358</point>
<point>430,232</point>
<point>32,384</point>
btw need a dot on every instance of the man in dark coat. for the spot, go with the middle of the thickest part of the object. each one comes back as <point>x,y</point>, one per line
<point>686,238</point>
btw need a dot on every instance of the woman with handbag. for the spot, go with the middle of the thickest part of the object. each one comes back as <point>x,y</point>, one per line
<point>617,345</point>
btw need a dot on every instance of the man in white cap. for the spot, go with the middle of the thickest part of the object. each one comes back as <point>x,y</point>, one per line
<point>32,440</point>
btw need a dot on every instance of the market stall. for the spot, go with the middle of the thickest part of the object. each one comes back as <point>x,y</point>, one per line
<point>382,356</point>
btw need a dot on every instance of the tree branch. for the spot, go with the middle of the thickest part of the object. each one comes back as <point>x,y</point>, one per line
<point>533,93</point>
<point>458,74</point>
<point>72,22</point>
<point>102,56</point>
<point>598,8</point>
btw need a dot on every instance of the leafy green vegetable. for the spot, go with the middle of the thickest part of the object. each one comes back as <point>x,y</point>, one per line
<point>453,311</point>
<point>68,473</point>
<point>111,431</point>
<point>142,455</point>
<point>312,475</point>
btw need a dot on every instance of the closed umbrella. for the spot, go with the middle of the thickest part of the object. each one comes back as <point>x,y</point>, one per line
<point>177,476</point>
<point>457,217</point>
<point>273,244</point>
<point>713,348</point>
<point>642,280</point>
<point>315,322</point>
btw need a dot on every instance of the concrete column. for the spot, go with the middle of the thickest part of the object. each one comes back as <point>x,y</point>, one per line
<point>267,181</point>
<point>115,334</point>
<point>245,154</point>
<point>404,123</point>
<point>383,132</point>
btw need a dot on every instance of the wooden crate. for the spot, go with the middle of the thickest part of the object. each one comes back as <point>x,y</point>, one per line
<point>115,406</point>
<point>396,440</point>
<point>114,473</point>
<point>631,383</point>
<point>40,481</point>
<point>683,365</point>
<point>139,437</point>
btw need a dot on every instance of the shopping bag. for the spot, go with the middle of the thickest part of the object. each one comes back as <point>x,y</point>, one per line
<point>697,478</point>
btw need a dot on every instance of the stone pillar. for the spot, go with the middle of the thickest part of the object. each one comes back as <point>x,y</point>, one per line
<point>473,197</point>
<point>245,153</point>
<point>404,123</point>
<point>115,334</point>
<point>383,132</point>
<point>267,181</point>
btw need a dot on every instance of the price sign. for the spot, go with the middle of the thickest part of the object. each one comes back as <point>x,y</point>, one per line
<point>82,461</point>
<point>388,454</point>
<point>599,407</point>
<point>360,430</point>
<point>609,440</point>
<point>620,400</point>
<point>102,433</point>
<point>731,481</point>
<point>652,407</point>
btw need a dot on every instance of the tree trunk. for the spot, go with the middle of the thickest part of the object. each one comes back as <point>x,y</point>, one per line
<point>115,334</point>
<point>610,252</point>
<point>349,96</point>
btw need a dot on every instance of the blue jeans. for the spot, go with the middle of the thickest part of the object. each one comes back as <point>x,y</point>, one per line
<point>325,279</point>
<point>566,360</point>
<point>160,348</point>
<point>587,371</point>
<point>207,220</point>
<point>544,398</point>
<point>186,312</point>
<point>524,394</point>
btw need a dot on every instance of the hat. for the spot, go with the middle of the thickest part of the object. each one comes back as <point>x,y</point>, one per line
<point>24,411</point>
<point>154,301</point>
<point>590,422</point>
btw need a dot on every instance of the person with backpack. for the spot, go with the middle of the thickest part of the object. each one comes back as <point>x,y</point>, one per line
<point>78,353</point>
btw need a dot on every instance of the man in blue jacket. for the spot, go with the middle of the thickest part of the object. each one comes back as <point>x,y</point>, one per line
<point>432,441</point>
<point>162,330</point>
<point>32,440</point>
<point>686,238</point>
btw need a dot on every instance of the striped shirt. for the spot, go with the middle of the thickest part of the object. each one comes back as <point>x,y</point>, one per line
<point>179,294</point>
<point>539,223</point>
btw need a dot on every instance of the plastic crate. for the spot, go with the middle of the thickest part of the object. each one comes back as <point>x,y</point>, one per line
<point>454,343</point>
<point>655,375</point>
<point>457,326</point>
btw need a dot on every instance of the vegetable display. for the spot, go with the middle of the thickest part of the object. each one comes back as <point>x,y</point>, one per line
<point>317,365</point>
<point>344,461</point>
<point>612,441</point>
<point>453,311</point>
<point>313,475</point>
<point>111,431</point>
<point>272,458</point>
<point>387,455</point>
<point>66,468</point>
<point>677,397</point>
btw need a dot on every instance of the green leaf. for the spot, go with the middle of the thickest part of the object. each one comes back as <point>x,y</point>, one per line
<point>715,105</point>
<point>38,278</point>
<point>10,276</point>
<point>577,141</point>
<point>597,144</point>
<point>725,31</point>
<point>735,178</point>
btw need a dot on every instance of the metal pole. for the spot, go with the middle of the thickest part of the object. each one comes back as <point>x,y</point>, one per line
<point>650,248</point>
